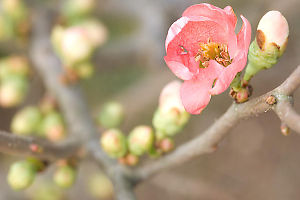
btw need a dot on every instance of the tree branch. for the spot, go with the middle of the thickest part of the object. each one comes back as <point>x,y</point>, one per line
<point>27,146</point>
<point>207,141</point>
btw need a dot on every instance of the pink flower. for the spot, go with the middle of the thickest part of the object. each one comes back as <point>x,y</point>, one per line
<point>204,51</point>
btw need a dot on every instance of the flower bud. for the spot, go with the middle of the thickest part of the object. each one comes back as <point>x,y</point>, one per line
<point>74,9</point>
<point>113,143</point>
<point>84,70</point>
<point>26,121</point>
<point>45,190</point>
<point>76,45</point>
<point>15,9</point>
<point>100,187</point>
<point>166,145</point>
<point>14,65</point>
<point>140,140</point>
<point>270,43</point>
<point>53,126</point>
<point>129,159</point>
<point>13,90</point>
<point>242,95</point>
<point>57,35</point>
<point>111,115</point>
<point>21,175</point>
<point>65,176</point>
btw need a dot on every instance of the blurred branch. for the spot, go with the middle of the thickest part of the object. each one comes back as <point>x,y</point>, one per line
<point>207,141</point>
<point>27,146</point>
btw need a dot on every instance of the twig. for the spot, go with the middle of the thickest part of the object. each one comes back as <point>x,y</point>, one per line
<point>207,141</point>
<point>27,146</point>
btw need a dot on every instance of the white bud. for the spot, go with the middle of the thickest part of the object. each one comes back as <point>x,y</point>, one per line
<point>275,29</point>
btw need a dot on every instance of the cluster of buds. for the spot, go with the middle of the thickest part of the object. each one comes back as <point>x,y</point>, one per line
<point>43,121</point>
<point>169,119</point>
<point>76,42</point>
<point>270,43</point>
<point>14,81</point>
<point>22,173</point>
<point>14,20</point>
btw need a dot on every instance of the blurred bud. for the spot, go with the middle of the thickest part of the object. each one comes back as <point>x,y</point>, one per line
<point>170,117</point>
<point>26,121</point>
<point>14,65</point>
<point>129,159</point>
<point>84,70</point>
<point>100,187</point>
<point>65,176</point>
<point>140,140</point>
<point>75,9</point>
<point>53,126</point>
<point>96,30</point>
<point>21,175</point>
<point>13,90</point>
<point>111,115</point>
<point>57,38</point>
<point>45,191</point>
<point>270,43</point>
<point>76,45</point>
<point>48,104</point>
<point>38,164</point>
<point>14,8</point>
<point>113,143</point>
<point>166,145</point>
<point>285,130</point>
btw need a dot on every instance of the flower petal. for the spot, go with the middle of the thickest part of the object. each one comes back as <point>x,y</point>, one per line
<point>178,68</point>
<point>231,16</point>
<point>194,95</point>
<point>244,36</point>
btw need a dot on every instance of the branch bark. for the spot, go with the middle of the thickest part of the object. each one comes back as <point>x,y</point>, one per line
<point>207,141</point>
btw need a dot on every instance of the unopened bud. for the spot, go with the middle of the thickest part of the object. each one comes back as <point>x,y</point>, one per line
<point>166,145</point>
<point>14,8</point>
<point>242,95</point>
<point>285,130</point>
<point>113,143</point>
<point>84,70</point>
<point>53,126</point>
<point>97,31</point>
<point>76,45</point>
<point>57,35</point>
<point>129,159</point>
<point>13,90</point>
<point>26,121</point>
<point>14,65</point>
<point>100,186</point>
<point>270,43</point>
<point>74,9</point>
<point>111,115</point>
<point>21,175</point>
<point>65,176</point>
<point>140,140</point>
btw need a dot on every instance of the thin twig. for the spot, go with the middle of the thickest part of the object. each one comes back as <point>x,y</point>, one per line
<point>208,140</point>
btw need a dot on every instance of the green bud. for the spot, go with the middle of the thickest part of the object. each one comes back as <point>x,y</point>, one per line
<point>13,90</point>
<point>53,126</point>
<point>113,143</point>
<point>100,186</point>
<point>14,65</point>
<point>21,175</point>
<point>65,176</point>
<point>15,9</point>
<point>270,43</point>
<point>111,115</point>
<point>76,9</point>
<point>46,191</point>
<point>84,70</point>
<point>57,37</point>
<point>169,123</point>
<point>26,121</point>
<point>140,140</point>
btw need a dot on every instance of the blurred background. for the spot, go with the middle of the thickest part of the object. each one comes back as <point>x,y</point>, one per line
<point>254,162</point>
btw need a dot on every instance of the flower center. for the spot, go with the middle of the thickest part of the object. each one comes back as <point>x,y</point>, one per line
<point>214,51</point>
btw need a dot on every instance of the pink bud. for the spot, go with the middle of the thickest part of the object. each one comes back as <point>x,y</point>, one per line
<point>275,29</point>
<point>170,98</point>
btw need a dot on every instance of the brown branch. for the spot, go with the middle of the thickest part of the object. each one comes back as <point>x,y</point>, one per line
<point>208,140</point>
<point>287,113</point>
<point>27,146</point>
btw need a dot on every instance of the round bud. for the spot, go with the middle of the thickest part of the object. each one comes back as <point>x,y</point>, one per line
<point>65,176</point>
<point>140,140</point>
<point>166,145</point>
<point>272,29</point>
<point>242,95</point>
<point>15,9</point>
<point>132,160</point>
<point>21,175</point>
<point>100,186</point>
<point>111,115</point>
<point>14,65</point>
<point>84,70</point>
<point>74,9</point>
<point>26,121</point>
<point>53,126</point>
<point>96,31</point>
<point>45,190</point>
<point>76,45</point>
<point>113,143</point>
<point>13,90</point>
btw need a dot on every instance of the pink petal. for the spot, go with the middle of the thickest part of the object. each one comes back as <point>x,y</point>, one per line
<point>178,68</point>
<point>231,16</point>
<point>244,36</point>
<point>194,95</point>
